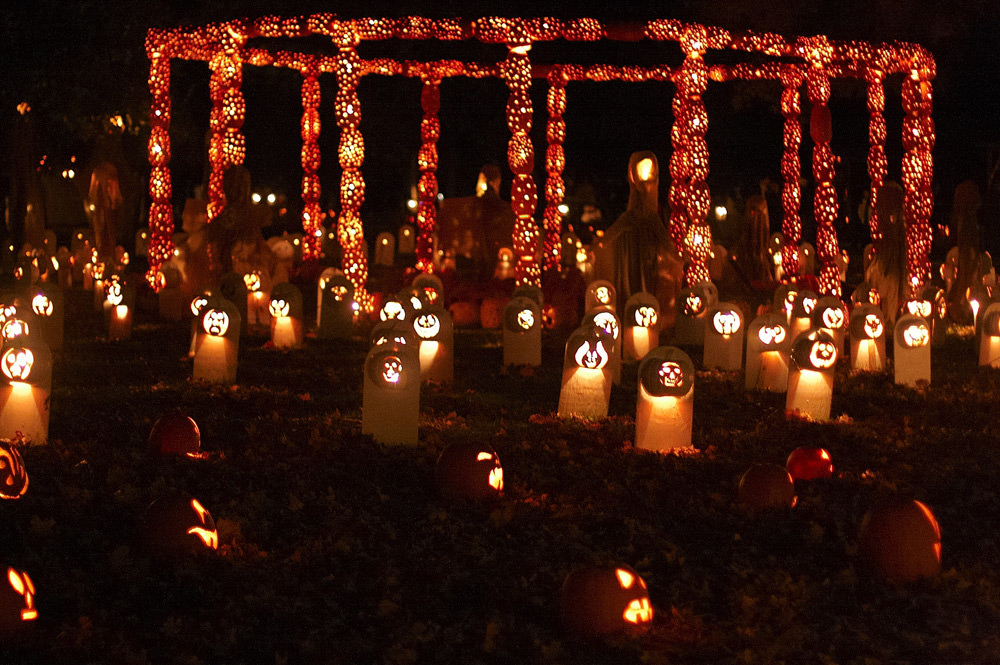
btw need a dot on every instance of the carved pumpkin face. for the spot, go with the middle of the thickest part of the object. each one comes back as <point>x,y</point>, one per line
<point>278,307</point>
<point>177,525</point>
<point>916,335</point>
<point>252,281</point>
<point>693,304</point>
<point>427,326</point>
<point>17,601</point>
<point>873,326</point>
<point>16,363</point>
<point>789,303</point>
<point>525,319</point>
<point>726,322</point>
<point>197,304</point>
<point>549,316</point>
<point>670,373</point>
<point>591,354</point>
<point>215,322</point>
<point>42,305</point>
<point>605,600</point>
<point>919,307</point>
<point>666,372</point>
<point>833,318</point>
<point>13,475</point>
<point>602,295</point>
<point>816,351</point>
<point>115,296</point>
<point>174,433</point>
<point>822,354</point>
<point>607,322</point>
<point>392,309</point>
<point>392,370</point>
<point>469,470</point>
<point>772,335</point>
<point>14,328</point>
<point>645,316</point>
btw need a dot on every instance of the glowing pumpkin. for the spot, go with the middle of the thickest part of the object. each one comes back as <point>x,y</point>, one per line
<point>278,307</point>
<point>198,303</point>
<point>809,463</point>
<point>606,322</point>
<point>602,294</point>
<point>604,600</point>
<point>773,335</point>
<point>215,322</point>
<point>765,486</point>
<point>900,541</point>
<point>174,433</point>
<point>919,307</point>
<point>727,322</point>
<point>915,335</point>
<point>13,475</point>
<point>17,601</point>
<point>14,328</point>
<point>694,304</point>
<point>815,351</point>
<point>833,317</point>
<point>427,326</point>
<point>17,362</point>
<point>589,351</point>
<point>177,525</point>
<point>252,281</point>
<point>666,371</point>
<point>114,294</point>
<point>645,316</point>
<point>469,471</point>
<point>392,308</point>
<point>42,305</point>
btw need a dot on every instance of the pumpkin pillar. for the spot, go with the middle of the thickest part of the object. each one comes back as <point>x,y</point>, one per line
<point>918,170</point>
<point>227,146</point>
<point>161,211</point>
<point>877,164</point>
<point>555,162</point>
<point>311,189</point>
<point>427,162</point>
<point>791,171</point>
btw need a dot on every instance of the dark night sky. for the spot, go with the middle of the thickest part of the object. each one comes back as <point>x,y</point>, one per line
<point>51,48</point>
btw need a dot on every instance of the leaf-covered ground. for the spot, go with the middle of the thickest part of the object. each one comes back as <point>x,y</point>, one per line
<point>338,550</point>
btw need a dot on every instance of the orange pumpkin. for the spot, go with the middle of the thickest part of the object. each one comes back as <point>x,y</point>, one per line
<point>900,541</point>
<point>470,471</point>
<point>766,486</point>
<point>603,600</point>
<point>175,434</point>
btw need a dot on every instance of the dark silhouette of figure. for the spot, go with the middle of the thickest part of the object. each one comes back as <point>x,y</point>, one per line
<point>105,199</point>
<point>751,255</point>
<point>237,243</point>
<point>887,271</point>
<point>966,258</point>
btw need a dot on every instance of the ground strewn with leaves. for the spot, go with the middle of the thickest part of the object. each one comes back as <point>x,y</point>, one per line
<point>338,550</point>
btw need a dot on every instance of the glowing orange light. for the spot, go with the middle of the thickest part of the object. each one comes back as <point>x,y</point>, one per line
<point>215,322</point>
<point>279,307</point>
<point>16,363</point>
<point>210,537</point>
<point>21,583</point>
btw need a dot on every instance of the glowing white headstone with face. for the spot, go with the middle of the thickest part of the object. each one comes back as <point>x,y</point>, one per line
<point>665,402</point>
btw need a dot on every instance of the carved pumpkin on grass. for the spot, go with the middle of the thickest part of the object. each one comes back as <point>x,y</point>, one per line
<point>604,600</point>
<point>177,525</point>
<point>468,470</point>
<point>13,475</point>
<point>175,434</point>
<point>17,602</point>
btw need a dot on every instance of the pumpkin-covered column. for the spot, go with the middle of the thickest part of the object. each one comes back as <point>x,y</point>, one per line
<point>877,164</point>
<point>347,108</point>
<point>555,162</point>
<point>689,195</point>
<point>311,189</point>
<point>227,145</point>
<point>161,212</point>
<point>516,72</point>
<point>427,162</point>
<point>918,171</point>
<point>791,171</point>
<point>819,52</point>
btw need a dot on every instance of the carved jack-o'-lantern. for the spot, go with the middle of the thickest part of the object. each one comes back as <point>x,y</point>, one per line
<point>919,307</point>
<point>872,326</point>
<point>915,335</point>
<point>816,351</point>
<point>694,304</point>
<point>900,541</point>
<point>726,322</point>
<point>17,601</point>
<point>14,328</point>
<point>606,322</point>
<point>809,463</point>
<point>16,363</point>
<point>645,316</point>
<point>278,307</point>
<point>602,294</point>
<point>666,371</point>
<point>42,305</point>
<point>590,352</point>
<point>252,281</point>
<point>13,475</point>
<point>174,433</point>
<point>176,525</point>
<point>773,335</point>
<point>427,326</point>
<point>388,370</point>
<point>198,303</point>
<point>114,293</point>
<point>470,471</point>
<point>215,322</point>
<point>392,308</point>
<point>602,600</point>
<point>833,317</point>
<point>765,486</point>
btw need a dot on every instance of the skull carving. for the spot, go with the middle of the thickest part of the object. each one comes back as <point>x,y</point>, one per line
<point>873,326</point>
<point>666,371</point>
<point>215,322</point>
<point>602,295</point>
<point>392,369</point>
<point>671,374</point>
<point>726,322</point>
<point>16,363</point>
<point>252,281</point>
<point>693,304</point>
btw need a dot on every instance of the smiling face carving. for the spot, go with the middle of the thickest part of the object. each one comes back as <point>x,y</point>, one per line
<point>16,363</point>
<point>427,326</point>
<point>645,316</point>
<point>833,317</point>
<point>279,307</point>
<point>873,326</point>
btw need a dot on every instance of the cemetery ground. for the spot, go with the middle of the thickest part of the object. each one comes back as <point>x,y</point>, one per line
<point>334,549</point>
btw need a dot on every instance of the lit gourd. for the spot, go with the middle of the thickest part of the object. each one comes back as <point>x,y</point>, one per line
<point>764,486</point>
<point>285,308</point>
<point>433,328</point>
<point>391,393</point>
<point>810,375</point>
<point>470,471</point>
<point>13,474</point>
<point>586,379</point>
<point>604,600</point>
<point>912,350</point>
<point>25,387</point>
<point>642,326</point>
<point>177,525</point>
<point>768,342</point>
<point>692,307</point>
<point>867,333</point>
<point>174,433</point>
<point>665,403</point>
<point>217,343</point>
<point>522,332</point>
<point>431,287</point>
<point>809,463</point>
<point>900,541</point>
<point>724,332</point>
<point>17,602</point>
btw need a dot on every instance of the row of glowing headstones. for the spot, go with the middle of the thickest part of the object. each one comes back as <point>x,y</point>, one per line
<point>899,539</point>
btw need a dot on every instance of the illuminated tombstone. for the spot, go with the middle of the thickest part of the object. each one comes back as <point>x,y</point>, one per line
<point>176,525</point>
<point>17,602</point>
<point>724,332</point>
<point>285,308</point>
<point>912,350</point>
<point>505,264</point>
<point>47,303</point>
<point>989,337</point>
<point>586,379</point>
<point>234,289</point>
<point>522,332</point>
<point>642,326</point>
<point>385,249</point>
<point>900,541</point>
<point>469,471</point>
<point>99,273</point>
<point>810,375</point>
<point>433,327</point>
<point>168,292</point>
<point>337,309</point>
<point>258,287</point>
<point>26,366</point>
<point>430,288</point>
<point>393,332</point>
<point>867,332</point>
<point>600,293</point>
<point>530,291</point>
<point>605,600</point>
<point>800,316</point>
<point>407,244</point>
<point>831,313</point>
<point>391,394</point>
<point>768,343</point>
<point>603,318</point>
<point>784,300</point>
<point>692,308</point>
<point>807,259</point>
<point>218,342</point>
<point>120,299</point>
<point>665,405</point>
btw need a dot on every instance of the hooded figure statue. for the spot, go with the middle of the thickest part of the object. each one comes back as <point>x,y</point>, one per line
<point>887,271</point>
<point>637,253</point>
<point>235,233</point>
